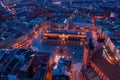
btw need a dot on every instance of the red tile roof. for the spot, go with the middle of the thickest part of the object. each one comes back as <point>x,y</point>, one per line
<point>108,69</point>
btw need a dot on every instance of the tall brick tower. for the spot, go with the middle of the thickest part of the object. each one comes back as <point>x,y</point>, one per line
<point>85,57</point>
<point>88,52</point>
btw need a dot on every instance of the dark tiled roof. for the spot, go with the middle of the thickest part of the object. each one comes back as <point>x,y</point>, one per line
<point>108,69</point>
<point>60,77</point>
<point>90,74</point>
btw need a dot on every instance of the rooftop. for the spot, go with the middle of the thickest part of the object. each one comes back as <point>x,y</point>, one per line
<point>90,74</point>
<point>108,69</point>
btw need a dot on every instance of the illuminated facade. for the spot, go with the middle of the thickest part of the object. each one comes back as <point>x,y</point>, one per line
<point>64,39</point>
<point>85,57</point>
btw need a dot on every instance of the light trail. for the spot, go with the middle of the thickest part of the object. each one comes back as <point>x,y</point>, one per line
<point>57,58</point>
<point>7,8</point>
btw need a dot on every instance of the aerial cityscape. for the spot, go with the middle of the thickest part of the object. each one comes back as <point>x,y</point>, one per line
<point>59,39</point>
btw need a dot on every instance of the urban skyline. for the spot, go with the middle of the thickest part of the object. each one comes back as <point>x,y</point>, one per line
<point>59,40</point>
